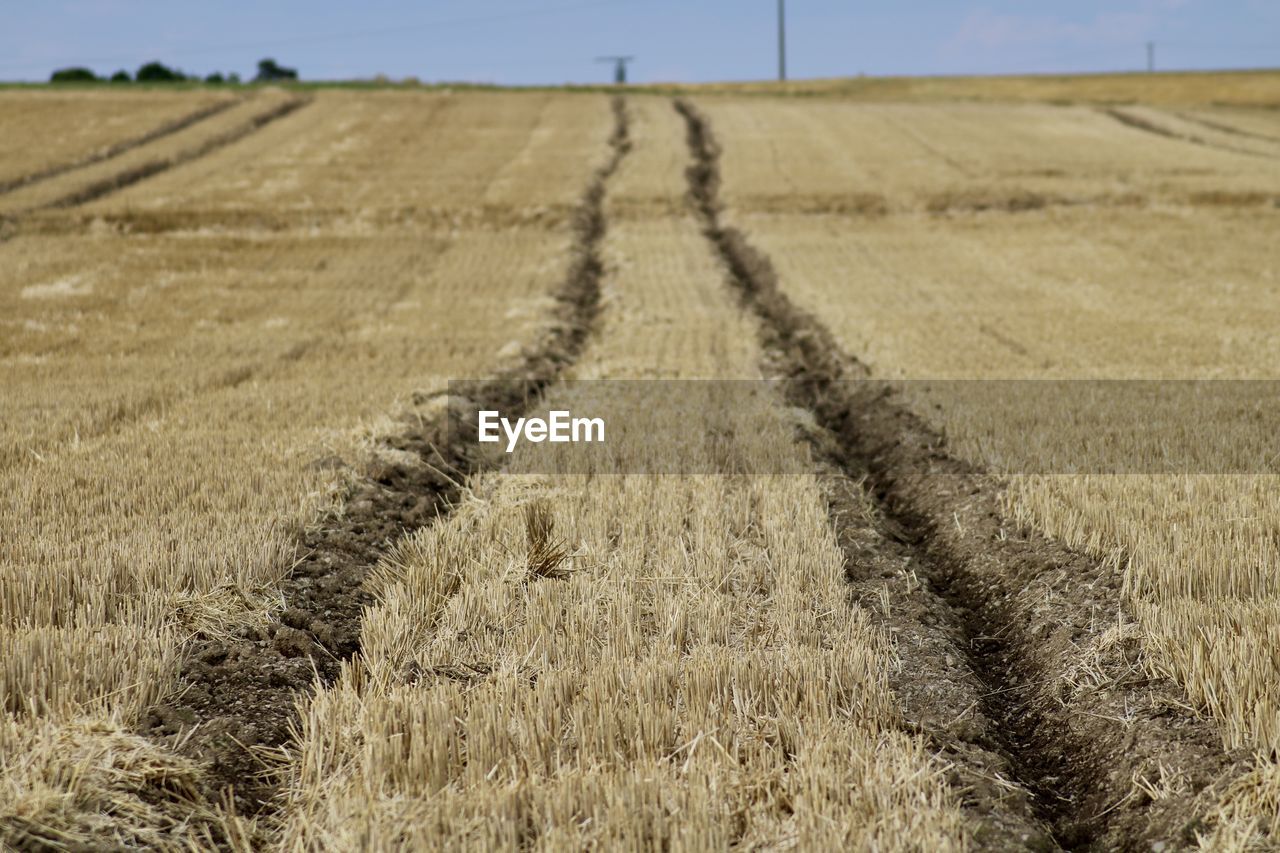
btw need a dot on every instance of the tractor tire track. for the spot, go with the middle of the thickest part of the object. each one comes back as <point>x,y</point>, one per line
<point>126,413</point>
<point>1139,123</point>
<point>936,151</point>
<point>1227,128</point>
<point>131,176</point>
<point>11,223</point>
<point>116,149</point>
<point>236,699</point>
<point>9,228</point>
<point>1057,732</point>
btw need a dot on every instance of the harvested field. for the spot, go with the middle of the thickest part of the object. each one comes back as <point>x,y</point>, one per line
<point>1255,89</point>
<point>1165,293</point>
<point>195,406</point>
<point>872,159</point>
<point>260,587</point>
<point>159,153</point>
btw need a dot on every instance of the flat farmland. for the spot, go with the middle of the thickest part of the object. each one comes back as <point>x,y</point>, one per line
<point>255,593</point>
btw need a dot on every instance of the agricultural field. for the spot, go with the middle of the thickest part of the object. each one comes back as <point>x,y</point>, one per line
<point>259,591</point>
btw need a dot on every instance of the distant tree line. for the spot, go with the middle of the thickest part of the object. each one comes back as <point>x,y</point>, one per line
<point>157,72</point>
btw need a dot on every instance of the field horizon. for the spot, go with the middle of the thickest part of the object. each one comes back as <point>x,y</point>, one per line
<point>1247,87</point>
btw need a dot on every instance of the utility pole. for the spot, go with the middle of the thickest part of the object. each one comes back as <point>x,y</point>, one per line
<point>619,67</point>
<point>1151,56</point>
<point>782,39</point>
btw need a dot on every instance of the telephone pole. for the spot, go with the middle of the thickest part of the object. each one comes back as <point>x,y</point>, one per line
<point>619,66</point>
<point>782,39</point>
<point>1151,56</point>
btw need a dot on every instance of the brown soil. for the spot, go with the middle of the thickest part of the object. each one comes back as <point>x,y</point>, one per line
<point>167,129</point>
<point>237,698</point>
<point>1006,665</point>
<point>943,698</point>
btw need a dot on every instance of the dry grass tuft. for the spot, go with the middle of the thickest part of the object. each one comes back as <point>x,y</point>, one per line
<point>90,784</point>
<point>546,553</point>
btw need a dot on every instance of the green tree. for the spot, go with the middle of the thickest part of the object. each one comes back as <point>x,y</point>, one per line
<point>156,72</point>
<point>268,70</point>
<point>73,75</point>
<point>121,76</point>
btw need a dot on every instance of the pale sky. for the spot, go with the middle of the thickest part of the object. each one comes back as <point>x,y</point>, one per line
<point>556,41</point>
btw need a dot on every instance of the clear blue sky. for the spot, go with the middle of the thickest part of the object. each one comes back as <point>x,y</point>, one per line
<point>555,41</point>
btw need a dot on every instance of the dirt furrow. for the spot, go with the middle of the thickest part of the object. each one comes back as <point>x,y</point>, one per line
<point>235,705</point>
<point>115,150</point>
<point>1019,662</point>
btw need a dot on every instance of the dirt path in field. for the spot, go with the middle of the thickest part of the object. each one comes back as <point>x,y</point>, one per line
<point>1140,123</point>
<point>115,150</point>
<point>1016,665</point>
<point>236,699</point>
